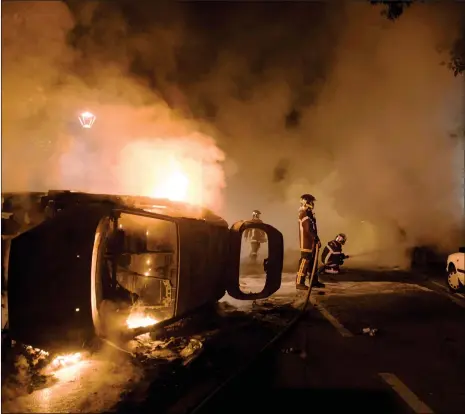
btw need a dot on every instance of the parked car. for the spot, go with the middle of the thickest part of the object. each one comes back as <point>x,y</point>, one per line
<point>456,271</point>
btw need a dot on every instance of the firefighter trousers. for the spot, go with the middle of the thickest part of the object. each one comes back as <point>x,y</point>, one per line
<point>305,266</point>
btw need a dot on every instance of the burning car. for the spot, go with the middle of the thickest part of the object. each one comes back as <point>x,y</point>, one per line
<point>79,266</point>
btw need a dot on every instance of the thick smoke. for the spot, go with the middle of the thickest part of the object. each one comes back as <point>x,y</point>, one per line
<point>375,147</point>
<point>330,99</point>
<point>137,142</point>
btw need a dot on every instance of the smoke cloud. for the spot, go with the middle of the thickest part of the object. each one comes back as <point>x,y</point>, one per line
<point>137,142</point>
<point>329,99</point>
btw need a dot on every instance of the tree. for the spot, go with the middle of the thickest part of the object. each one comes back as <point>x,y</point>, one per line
<point>394,9</point>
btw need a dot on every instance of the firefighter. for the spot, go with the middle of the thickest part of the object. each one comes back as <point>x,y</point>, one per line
<point>308,236</point>
<point>255,236</point>
<point>332,256</point>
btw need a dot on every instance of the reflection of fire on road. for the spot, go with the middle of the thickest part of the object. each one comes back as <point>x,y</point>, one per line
<point>139,320</point>
<point>75,382</point>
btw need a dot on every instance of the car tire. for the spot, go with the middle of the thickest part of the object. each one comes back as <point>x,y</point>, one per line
<point>453,281</point>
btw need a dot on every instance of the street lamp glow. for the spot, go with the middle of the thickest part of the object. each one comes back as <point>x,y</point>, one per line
<point>87,119</point>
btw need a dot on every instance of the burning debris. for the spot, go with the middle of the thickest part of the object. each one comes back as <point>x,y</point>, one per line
<point>62,361</point>
<point>139,319</point>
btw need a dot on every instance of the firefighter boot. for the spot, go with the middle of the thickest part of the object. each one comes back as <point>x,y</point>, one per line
<point>300,283</point>
<point>331,271</point>
<point>317,284</point>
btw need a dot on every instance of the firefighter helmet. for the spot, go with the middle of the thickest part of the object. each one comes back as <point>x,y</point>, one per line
<point>256,214</point>
<point>341,238</point>
<point>307,201</point>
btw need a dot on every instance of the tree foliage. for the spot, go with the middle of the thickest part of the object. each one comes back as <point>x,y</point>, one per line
<point>394,9</point>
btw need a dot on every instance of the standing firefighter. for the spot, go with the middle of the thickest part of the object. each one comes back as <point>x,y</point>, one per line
<point>255,236</point>
<point>332,256</point>
<point>308,236</point>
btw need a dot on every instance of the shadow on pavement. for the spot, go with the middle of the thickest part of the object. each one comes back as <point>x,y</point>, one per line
<point>311,400</point>
<point>355,275</point>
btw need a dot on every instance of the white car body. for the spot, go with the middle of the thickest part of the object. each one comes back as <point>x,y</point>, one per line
<point>458,260</point>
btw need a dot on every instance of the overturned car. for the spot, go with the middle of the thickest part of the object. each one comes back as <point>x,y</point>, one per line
<point>81,266</point>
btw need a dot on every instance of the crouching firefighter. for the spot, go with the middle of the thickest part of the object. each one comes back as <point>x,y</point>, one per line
<point>255,236</point>
<point>308,237</point>
<point>332,256</point>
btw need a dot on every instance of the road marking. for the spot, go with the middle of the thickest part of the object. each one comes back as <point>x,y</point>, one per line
<point>445,292</point>
<point>405,393</point>
<point>443,287</point>
<point>438,284</point>
<point>331,319</point>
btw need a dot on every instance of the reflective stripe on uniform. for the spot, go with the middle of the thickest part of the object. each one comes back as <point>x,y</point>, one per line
<point>300,273</point>
<point>301,235</point>
<point>331,252</point>
<point>306,250</point>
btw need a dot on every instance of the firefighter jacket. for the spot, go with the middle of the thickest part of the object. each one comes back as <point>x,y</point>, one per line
<point>332,253</point>
<point>308,232</point>
<point>255,235</point>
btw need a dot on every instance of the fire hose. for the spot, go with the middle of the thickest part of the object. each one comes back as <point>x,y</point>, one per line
<point>267,346</point>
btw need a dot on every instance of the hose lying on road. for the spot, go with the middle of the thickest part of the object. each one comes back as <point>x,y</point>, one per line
<point>275,339</point>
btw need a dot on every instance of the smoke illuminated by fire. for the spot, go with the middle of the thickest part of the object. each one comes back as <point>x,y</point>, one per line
<point>160,169</point>
<point>138,145</point>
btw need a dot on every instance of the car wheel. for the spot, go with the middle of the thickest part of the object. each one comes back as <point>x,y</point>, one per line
<point>453,279</point>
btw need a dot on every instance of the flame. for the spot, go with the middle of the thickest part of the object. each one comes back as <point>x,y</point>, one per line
<point>139,320</point>
<point>183,169</point>
<point>162,170</point>
<point>66,360</point>
<point>176,185</point>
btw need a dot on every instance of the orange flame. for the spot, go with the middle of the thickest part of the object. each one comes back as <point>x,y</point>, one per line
<point>163,170</point>
<point>66,360</point>
<point>139,320</point>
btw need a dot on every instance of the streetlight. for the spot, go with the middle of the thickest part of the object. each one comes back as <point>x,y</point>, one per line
<point>87,119</point>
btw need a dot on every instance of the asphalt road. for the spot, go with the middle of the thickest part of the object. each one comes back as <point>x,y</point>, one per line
<point>415,362</point>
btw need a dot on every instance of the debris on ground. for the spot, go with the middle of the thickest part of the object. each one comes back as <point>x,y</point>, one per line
<point>291,351</point>
<point>370,331</point>
<point>192,347</point>
<point>301,353</point>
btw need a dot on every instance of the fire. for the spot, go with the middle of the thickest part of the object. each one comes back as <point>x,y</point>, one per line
<point>175,186</point>
<point>66,360</point>
<point>162,169</point>
<point>139,320</point>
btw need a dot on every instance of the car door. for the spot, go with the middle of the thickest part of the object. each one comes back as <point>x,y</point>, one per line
<point>272,265</point>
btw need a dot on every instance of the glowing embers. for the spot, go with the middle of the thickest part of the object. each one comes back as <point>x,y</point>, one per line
<point>87,119</point>
<point>139,319</point>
